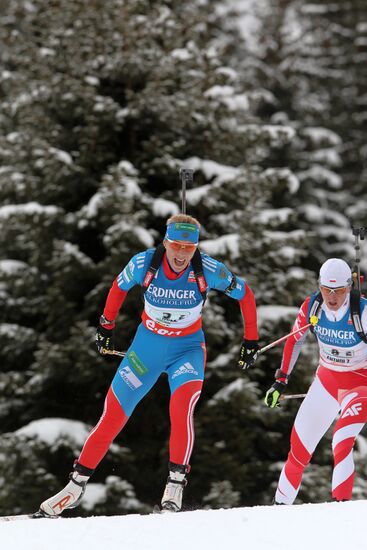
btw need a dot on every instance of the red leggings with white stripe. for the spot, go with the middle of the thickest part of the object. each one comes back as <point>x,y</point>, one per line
<point>330,393</point>
<point>113,419</point>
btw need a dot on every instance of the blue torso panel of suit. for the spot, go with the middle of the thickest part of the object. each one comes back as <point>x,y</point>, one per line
<point>175,304</point>
<point>340,346</point>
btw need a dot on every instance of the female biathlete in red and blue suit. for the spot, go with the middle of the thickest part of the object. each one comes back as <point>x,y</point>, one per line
<point>169,340</point>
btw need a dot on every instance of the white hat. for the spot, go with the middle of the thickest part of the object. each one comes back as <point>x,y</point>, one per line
<point>335,273</point>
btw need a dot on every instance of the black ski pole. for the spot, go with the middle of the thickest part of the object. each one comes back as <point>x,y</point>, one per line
<point>359,233</point>
<point>187,177</point>
<point>113,352</point>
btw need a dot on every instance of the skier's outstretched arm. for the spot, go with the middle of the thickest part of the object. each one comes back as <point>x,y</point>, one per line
<point>291,351</point>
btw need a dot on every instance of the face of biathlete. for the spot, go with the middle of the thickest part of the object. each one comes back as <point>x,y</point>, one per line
<point>334,298</point>
<point>179,254</point>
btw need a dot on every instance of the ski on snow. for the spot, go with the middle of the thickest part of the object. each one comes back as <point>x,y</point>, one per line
<point>39,515</point>
<point>36,515</point>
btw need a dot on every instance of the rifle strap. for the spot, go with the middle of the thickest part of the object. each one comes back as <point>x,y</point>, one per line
<point>355,311</point>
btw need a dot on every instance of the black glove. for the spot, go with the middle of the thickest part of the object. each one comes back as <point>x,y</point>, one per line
<point>273,394</point>
<point>105,335</point>
<point>248,353</point>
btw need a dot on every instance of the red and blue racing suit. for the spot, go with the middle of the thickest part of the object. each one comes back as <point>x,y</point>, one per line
<point>169,340</point>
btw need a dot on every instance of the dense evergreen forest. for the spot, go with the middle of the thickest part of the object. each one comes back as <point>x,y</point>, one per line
<point>101,104</point>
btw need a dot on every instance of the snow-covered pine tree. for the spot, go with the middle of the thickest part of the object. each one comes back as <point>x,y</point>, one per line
<point>309,54</point>
<point>100,110</point>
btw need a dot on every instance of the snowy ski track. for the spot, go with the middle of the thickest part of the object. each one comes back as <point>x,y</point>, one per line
<point>305,527</point>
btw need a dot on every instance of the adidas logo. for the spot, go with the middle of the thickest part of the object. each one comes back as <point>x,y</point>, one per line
<point>186,368</point>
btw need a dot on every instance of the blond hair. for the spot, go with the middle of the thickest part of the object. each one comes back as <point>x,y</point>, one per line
<point>183,218</point>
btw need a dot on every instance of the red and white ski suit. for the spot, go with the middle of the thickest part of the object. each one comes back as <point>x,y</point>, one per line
<point>340,386</point>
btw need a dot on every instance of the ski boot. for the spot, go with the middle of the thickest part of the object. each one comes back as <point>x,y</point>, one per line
<point>176,482</point>
<point>71,495</point>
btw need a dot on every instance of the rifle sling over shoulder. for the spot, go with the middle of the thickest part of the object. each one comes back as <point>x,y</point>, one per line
<point>355,311</point>
<point>197,265</point>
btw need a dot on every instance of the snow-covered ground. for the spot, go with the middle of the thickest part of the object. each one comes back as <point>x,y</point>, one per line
<point>304,527</point>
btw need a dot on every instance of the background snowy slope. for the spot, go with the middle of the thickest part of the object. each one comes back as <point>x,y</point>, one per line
<point>331,525</point>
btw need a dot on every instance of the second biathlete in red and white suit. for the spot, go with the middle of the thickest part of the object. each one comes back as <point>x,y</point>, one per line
<point>340,385</point>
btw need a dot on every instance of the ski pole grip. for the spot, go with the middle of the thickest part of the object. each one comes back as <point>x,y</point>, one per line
<point>187,177</point>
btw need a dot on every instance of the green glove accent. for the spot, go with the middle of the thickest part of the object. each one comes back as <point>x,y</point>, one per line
<point>273,394</point>
<point>272,399</point>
